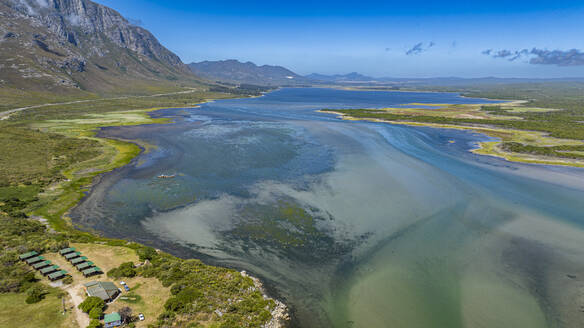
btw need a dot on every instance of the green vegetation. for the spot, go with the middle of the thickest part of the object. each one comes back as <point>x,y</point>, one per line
<point>96,313</point>
<point>126,270</point>
<point>35,294</point>
<point>94,323</point>
<point>15,312</point>
<point>91,303</point>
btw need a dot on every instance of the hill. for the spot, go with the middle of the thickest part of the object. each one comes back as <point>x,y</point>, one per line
<point>70,46</point>
<point>234,71</point>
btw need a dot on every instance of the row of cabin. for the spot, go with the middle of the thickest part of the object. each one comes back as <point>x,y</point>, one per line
<point>45,267</point>
<point>86,267</point>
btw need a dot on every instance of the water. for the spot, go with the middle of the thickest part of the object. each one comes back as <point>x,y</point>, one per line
<point>355,224</point>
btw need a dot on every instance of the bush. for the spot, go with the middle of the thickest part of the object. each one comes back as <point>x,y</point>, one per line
<point>96,313</point>
<point>90,303</point>
<point>68,280</point>
<point>182,300</point>
<point>35,294</point>
<point>146,253</point>
<point>124,270</point>
<point>94,323</point>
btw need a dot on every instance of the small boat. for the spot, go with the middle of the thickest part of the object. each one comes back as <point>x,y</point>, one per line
<point>164,176</point>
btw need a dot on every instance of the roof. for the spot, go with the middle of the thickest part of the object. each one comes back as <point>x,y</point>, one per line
<point>41,264</point>
<point>50,269</point>
<point>103,289</point>
<point>27,255</point>
<point>67,250</point>
<point>78,260</point>
<point>57,274</point>
<point>112,317</point>
<point>72,255</point>
<point>91,270</point>
<point>84,265</point>
<point>35,259</point>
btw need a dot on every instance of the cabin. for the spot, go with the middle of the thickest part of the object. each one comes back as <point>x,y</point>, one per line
<point>78,260</point>
<point>57,275</point>
<point>49,270</point>
<point>91,272</point>
<point>40,265</point>
<point>34,260</point>
<point>84,266</point>
<point>112,320</point>
<point>71,256</point>
<point>105,290</point>
<point>68,250</point>
<point>27,255</point>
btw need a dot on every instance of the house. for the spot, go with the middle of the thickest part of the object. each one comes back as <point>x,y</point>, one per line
<point>105,290</point>
<point>40,265</point>
<point>84,266</point>
<point>112,320</point>
<point>28,255</point>
<point>73,255</point>
<point>91,272</point>
<point>34,260</point>
<point>50,269</point>
<point>57,275</point>
<point>78,260</point>
<point>67,251</point>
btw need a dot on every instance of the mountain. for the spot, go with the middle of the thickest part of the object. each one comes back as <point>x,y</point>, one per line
<point>340,78</point>
<point>234,71</point>
<point>50,45</point>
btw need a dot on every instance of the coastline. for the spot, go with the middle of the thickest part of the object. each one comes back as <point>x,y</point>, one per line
<point>487,148</point>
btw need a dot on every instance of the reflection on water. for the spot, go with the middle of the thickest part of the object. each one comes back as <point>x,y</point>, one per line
<point>355,224</point>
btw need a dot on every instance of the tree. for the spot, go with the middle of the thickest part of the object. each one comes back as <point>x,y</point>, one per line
<point>96,313</point>
<point>35,294</point>
<point>124,270</point>
<point>90,303</point>
<point>94,323</point>
<point>126,314</point>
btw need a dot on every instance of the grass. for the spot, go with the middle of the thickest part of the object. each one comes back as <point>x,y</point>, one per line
<point>48,313</point>
<point>147,296</point>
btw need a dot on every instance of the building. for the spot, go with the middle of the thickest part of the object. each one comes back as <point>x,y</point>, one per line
<point>84,266</point>
<point>28,255</point>
<point>49,270</point>
<point>34,260</point>
<point>40,265</point>
<point>78,260</point>
<point>112,320</point>
<point>73,255</point>
<point>105,290</point>
<point>67,251</point>
<point>57,275</point>
<point>91,272</point>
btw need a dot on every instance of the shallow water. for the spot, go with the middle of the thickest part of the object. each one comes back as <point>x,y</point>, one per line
<point>355,224</point>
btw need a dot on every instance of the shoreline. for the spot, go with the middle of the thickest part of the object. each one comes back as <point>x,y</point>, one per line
<point>486,148</point>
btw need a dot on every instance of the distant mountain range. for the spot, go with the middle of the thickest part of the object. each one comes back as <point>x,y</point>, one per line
<point>234,71</point>
<point>53,45</point>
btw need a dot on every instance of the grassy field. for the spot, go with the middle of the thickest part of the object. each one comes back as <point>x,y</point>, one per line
<point>48,313</point>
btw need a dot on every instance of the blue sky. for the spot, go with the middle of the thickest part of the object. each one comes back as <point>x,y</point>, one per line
<point>374,37</point>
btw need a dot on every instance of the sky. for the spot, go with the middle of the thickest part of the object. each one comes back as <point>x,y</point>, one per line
<point>536,39</point>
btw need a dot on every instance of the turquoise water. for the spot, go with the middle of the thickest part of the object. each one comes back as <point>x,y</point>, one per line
<point>355,224</point>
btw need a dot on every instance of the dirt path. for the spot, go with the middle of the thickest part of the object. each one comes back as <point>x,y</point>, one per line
<point>75,292</point>
<point>6,114</point>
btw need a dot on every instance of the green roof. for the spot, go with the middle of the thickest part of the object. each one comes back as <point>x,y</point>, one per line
<point>27,255</point>
<point>78,260</point>
<point>72,255</point>
<point>112,317</point>
<point>67,250</point>
<point>105,290</point>
<point>50,269</point>
<point>84,265</point>
<point>41,264</point>
<point>91,270</point>
<point>35,259</point>
<point>57,274</point>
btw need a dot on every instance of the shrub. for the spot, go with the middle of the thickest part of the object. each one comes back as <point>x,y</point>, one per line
<point>94,323</point>
<point>90,303</point>
<point>124,270</point>
<point>68,280</point>
<point>96,313</point>
<point>146,253</point>
<point>35,294</point>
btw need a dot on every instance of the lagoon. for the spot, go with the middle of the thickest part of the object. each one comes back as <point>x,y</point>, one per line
<point>354,224</point>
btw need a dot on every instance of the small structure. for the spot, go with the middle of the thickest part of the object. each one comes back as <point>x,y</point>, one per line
<point>73,255</point>
<point>105,290</point>
<point>34,260</point>
<point>78,260</point>
<point>40,265</point>
<point>84,266</point>
<point>67,251</point>
<point>57,275</point>
<point>112,320</point>
<point>28,255</point>
<point>50,269</point>
<point>91,272</point>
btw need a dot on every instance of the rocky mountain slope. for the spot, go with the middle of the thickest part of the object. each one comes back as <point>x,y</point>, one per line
<point>234,71</point>
<point>51,45</point>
